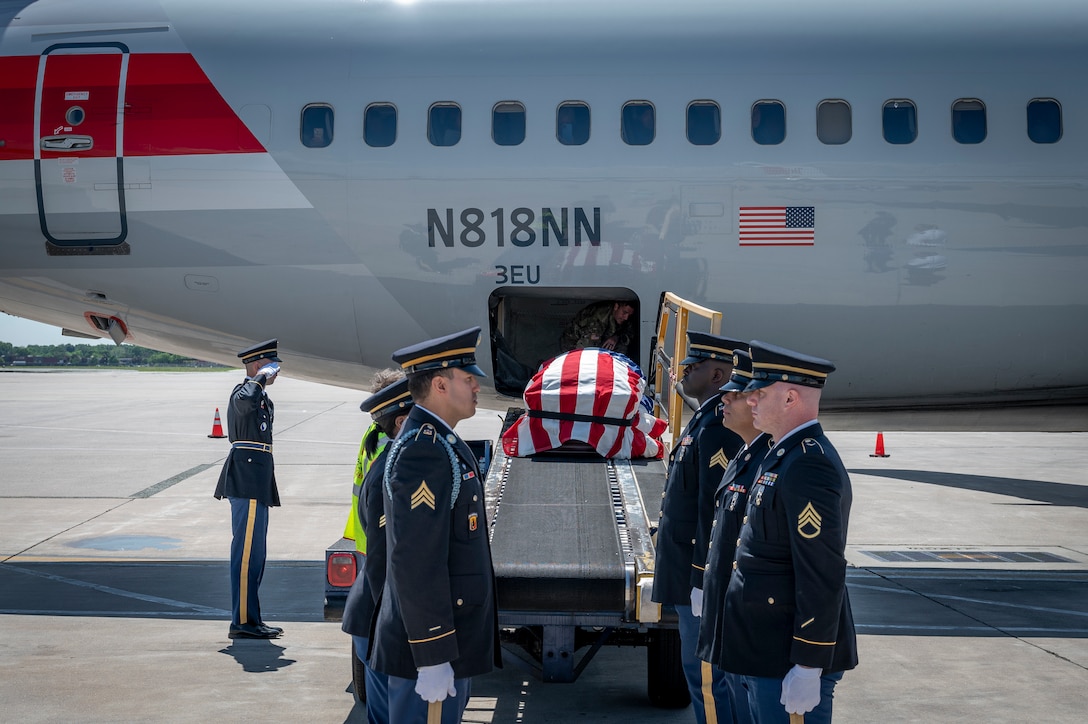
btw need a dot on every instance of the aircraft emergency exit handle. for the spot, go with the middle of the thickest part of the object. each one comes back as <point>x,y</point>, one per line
<point>67,143</point>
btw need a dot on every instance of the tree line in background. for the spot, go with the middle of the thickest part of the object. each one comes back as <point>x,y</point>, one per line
<point>91,355</point>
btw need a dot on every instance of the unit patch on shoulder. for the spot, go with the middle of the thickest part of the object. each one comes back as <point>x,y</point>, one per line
<point>719,458</point>
<point>423,496</point>
<point>809,522</point>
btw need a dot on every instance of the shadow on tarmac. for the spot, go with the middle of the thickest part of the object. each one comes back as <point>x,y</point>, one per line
<point>1039,490</point>
<point>885,600</point>
<point>258,656</point>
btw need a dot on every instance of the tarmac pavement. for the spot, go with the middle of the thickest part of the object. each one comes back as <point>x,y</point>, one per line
<point>968,553</point>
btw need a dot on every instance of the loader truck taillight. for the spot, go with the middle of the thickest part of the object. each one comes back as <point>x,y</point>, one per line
<point>340,569</point>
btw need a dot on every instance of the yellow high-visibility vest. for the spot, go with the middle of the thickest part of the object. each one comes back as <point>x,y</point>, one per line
<point>354,528</point>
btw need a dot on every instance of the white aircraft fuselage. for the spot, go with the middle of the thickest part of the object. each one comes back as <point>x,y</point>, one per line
<point>158,169</point>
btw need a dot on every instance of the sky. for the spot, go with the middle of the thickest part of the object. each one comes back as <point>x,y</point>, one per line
<point>21,332</point>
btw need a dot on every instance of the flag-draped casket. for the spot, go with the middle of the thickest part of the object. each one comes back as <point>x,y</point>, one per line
<point>590,395</point>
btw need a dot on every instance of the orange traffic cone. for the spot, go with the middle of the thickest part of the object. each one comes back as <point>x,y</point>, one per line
<point>217,426</point>
<point>879,447</point>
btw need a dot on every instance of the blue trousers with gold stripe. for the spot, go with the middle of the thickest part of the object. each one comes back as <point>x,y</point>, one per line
<point>713,700</point>
<point>249,521</point>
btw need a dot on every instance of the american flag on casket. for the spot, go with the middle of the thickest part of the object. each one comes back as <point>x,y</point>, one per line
<point>592,396</point>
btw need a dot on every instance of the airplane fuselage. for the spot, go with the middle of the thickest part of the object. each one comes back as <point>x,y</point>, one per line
<point>159,165</point>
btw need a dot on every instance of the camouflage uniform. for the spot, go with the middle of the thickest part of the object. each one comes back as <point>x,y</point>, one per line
<point>592,326</point>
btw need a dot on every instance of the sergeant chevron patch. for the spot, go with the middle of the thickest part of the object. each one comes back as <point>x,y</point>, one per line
<point>381,522</point>
<point>809,522</point>
<point>423,495</point>
<point>719,458</point>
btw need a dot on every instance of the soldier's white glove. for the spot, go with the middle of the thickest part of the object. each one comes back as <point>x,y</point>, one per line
<point>269,370</point>
<point>697,602</point>
<point>801,689</point>
<point>434,683</point>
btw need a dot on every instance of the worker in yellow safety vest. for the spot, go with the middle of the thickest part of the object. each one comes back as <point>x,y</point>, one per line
<point>354,528</point>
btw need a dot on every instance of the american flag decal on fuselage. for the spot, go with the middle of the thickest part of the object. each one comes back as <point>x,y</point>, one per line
<point>777,225</point>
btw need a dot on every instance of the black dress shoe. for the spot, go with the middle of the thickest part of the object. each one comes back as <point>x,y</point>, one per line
<point>251,631</point>
<point>277,629</point>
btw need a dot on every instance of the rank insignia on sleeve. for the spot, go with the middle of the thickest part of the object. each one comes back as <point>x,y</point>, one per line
<point>719,458</point>
<point>381,522</point>
<point>809,522</point>
<point>472,525</point>
<point>423,496</point>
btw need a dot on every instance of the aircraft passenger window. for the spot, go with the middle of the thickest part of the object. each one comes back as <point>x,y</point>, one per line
<point>380,125</point>
<point>704,123</point>
<point>316,129</point>
<point>900,122</point>
<point>834,126</point>
<point>637,123</point>
<point>508,123</point>
<point>1044,121</point>
<point>969,121</point>
<point>768,122</point>
<point>444,124</point>
<point>572,123</point>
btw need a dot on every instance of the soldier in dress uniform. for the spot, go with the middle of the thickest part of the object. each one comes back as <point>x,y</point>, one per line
<point>696,465</point>
<point>787,628</point>
<point>437,621</point>
<point>389,407</point>
<point>248,481</point>
<point>730,499</point>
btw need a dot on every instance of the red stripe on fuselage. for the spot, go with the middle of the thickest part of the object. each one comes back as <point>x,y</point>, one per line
<point>171,109</point>
<point>18,78</point>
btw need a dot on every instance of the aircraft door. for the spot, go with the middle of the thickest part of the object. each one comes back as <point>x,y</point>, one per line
<point>78,144</point>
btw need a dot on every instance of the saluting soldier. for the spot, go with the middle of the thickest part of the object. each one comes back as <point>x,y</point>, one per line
<point>730,500</point>
<point>437,621</point>
<point>696,465</point>
<point>248,481</point>
<point>788,628</point>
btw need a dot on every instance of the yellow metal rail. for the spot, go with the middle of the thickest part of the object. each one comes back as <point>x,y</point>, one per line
<point>666,366</point>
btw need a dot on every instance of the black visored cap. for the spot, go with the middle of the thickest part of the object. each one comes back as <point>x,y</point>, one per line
<point>710,346</point>
<point>772,364</point>
<point>742,372</point>
<point>453,350</point>
<point>264,350</point>
<point>388,400</point>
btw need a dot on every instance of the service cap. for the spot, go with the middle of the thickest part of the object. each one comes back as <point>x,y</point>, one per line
<point>772,364</point>
<point>264,350</point>
<point>454,350</point>
<point>710,346</point>
<point>742,372</point>
<point>391,399</point>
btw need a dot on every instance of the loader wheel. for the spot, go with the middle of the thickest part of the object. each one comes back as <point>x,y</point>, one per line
<point>665,682</point>
<point>358,676</point>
